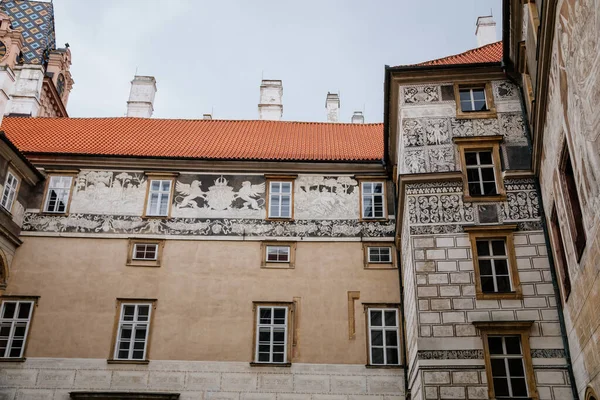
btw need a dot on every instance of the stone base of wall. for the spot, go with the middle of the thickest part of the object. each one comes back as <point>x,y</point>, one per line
<point>53,379</point>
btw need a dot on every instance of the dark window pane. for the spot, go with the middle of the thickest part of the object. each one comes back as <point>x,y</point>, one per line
<point>140,333</point>
<point>4,330</point>
<point>377,356</point>
<point>124,346</point>
<point>473,175</point>
<point>263,348</point>
<point>264,335</point>
<point>483,248</point>
<point>392,355</point>
<point>126,333</point>
<point>519,387</point>
<point>128,312</point>
<point>501,267</point>
<point>277,357</point>
<point>471,158</point>
<point>391,339</point>
<point>485,267</point>
<point>478,94</point>
<point>390,318</point>
<point>278,349</point>
<point>279,313</point>
<point>480,105</point>
<point>278,336</point>
<point>123,354</point>
<point>264,357</point>
<point>487,174</point>
<point>138,346</point>
<point>375,318</point>
<point>495,344</point>
<point>24,310</point>
<point>20,330</point>
<point>485,157</point>
<point>487,284</point>
<point>475,189</point>
<point>513,345</point>
<point>503,283</point>
<point>138,355</point>
<point>377,338</point>
<point>515,366</point>
<point>265,315</point>
<point>465,95</point>
<point>501,387</point>
<point>143,312</point>
<point>489,188</point>
<point>498,367</point>
<point>498,247</point>
<point>9,310</point>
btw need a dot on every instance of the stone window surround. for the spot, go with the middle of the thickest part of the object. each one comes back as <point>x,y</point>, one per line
<point>67,173</point>
<point>34,300</point>
<point>489,97</point>
<point>163,176</point>
<point>491,143</point>
<point>395,306</point>
<point>278,265</point>
<point>280,178</point>
<point>118,307</point>
<point>290,332</point>
<point>131,261</point>
<point>495,232</point>
<point>371,265</point>
<point>520,328</point>
<point>560,255</point>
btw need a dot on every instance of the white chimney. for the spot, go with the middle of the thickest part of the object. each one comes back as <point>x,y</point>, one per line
<point>486,31</point>
<point>141,97</point>
<point>332,105</point>
<point>206,116</point>
<point>358,117</point>
<point>270,106</point>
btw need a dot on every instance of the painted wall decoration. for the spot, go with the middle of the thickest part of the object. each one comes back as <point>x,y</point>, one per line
<point>421,94</point>
<point>325,197</point>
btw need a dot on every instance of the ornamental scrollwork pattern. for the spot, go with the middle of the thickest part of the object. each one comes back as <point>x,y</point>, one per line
<point>436,209</point>
<point>421,94</point>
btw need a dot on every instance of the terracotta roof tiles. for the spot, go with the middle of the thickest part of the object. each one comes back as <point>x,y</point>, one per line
<point>204,139</point>
<point>489,53</point>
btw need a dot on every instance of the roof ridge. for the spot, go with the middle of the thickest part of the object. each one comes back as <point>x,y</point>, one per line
<point>489,53</point>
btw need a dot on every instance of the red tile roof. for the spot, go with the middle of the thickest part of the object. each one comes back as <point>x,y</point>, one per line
<point>204,139</point>
<point>485,54</point>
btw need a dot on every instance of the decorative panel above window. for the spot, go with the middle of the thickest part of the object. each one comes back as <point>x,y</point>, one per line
<point>373,200</point>
<point>474,100</point>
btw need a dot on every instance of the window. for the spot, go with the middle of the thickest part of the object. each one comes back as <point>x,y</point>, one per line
<point>278,254</point>
<point>373,199</point>
<point>480,166</point>
<point>280,199</point>
<point>474,100</point>
<point>58,194</point>
<point>145,252</point>
<point>378,255</point>
<point>496,275</point>
<point>384,340</point>
<point>159,197</point>
<point>132,331</point>
<point>10,191</point>
<point>508,359</point>
<point>271,334</point>
<point>559,251</point>
<point>15,317</point>
<point>572,204</point>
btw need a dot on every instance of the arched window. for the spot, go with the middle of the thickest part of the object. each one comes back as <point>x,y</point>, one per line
<point>60,84</point>
<point>590,394</point>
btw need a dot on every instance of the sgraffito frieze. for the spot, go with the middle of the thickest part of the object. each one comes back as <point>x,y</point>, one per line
<point>325,197</point>
<point>421,94</point>
<point>476,354</point>
<point>125,224</point>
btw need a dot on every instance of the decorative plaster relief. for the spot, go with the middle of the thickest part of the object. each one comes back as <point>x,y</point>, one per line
<point>505,90</point>
<point>512,128</point>
<point>478,354</point>
<point>522,202</point>
<point>474,127</point>
<point>431,140</point>
<point>325,197</point>
<point>421,94</point>
<point>122,224</point>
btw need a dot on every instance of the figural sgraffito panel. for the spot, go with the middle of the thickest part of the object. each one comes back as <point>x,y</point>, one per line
<point>324,197</point>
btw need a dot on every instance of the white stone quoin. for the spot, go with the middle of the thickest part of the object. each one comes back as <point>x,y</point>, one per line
<point>270,106</point>
<point>332,105</point>
<point>141,97</point>
<point>358,117</point>
<point>485,31</point>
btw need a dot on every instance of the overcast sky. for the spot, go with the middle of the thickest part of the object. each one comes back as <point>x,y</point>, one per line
<point>210,56</point>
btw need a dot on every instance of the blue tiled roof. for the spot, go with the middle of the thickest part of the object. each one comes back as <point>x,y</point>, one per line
<point>35,21</point>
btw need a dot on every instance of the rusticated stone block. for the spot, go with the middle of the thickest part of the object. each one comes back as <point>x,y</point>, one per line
<point>34,394</point>
<point>129,380</point>
<point>55,378</point>
<point>276,382</point>
<point>238,382</point>
<point>18,377</point>
<point>203,381</point>
<point>221,396</point>
<point>92,379</point>
<point>293,396</point>
<point>385,384</point>
<point>167,380</point>
<point>348,384</point>
<point>311,383</point>
<point>258,396</point>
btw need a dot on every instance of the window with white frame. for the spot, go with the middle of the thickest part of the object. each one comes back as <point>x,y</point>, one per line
<point>15,317</point>
<point>280,199</point>
<point>278,254</point>
<point>508,368</point>
<point>473,99</point>
<point>145,251</point>
<point>384,340</point>
<point>480,173</point>
<point>271,334</point>
<point>10,191</point>
<point>373,199</point>
<point>57,197</point>
<point>492,260</point>
<point>379,255</point>
<point>132,332</point>
<point>159,197</point>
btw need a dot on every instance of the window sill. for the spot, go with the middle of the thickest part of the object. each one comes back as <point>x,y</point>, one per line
<point>380,266</point>
<point>280,265</point>
<point>156,216</point>
<point>152,264</point>
<point>139,362</point>
<point>476,114</point>
<point>258,364</point>
<point>382,219</point>
<point>375,366</point>
<point>54,214</point>
<point>499,296</point>
<point>16,360</point>
<point>476,199</point>
<point>282,219</point>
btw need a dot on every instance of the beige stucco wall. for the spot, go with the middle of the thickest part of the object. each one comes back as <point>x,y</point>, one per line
<point>205,291</point>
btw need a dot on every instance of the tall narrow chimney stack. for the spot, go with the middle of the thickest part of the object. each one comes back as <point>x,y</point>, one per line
<point>485,31</point>
<point>141,97</point>
<point>332,105</point>
<point>358,117</point>
<point>270,106</point>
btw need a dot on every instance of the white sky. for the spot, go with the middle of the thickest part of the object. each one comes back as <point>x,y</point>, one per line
<point>210,55</point>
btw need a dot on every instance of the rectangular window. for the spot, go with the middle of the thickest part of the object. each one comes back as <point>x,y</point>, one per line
<point>280,199</point>
<point>496,275</point>
<point>10,191</point>
<point>132,331</point>
<point>508,369</point>
<point>271,334</point>
<point>379,254</point>
<point>480,173</point>
<point>384,340</point>
<point>573,206</point>
<point>473,99</point>
<point>560,257</point>
<point>145,251</point>
<point>373,199</point>
<point>15,317</point>
<point>278,254</point>
<point>159,197</point>
<point>58,194</point>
